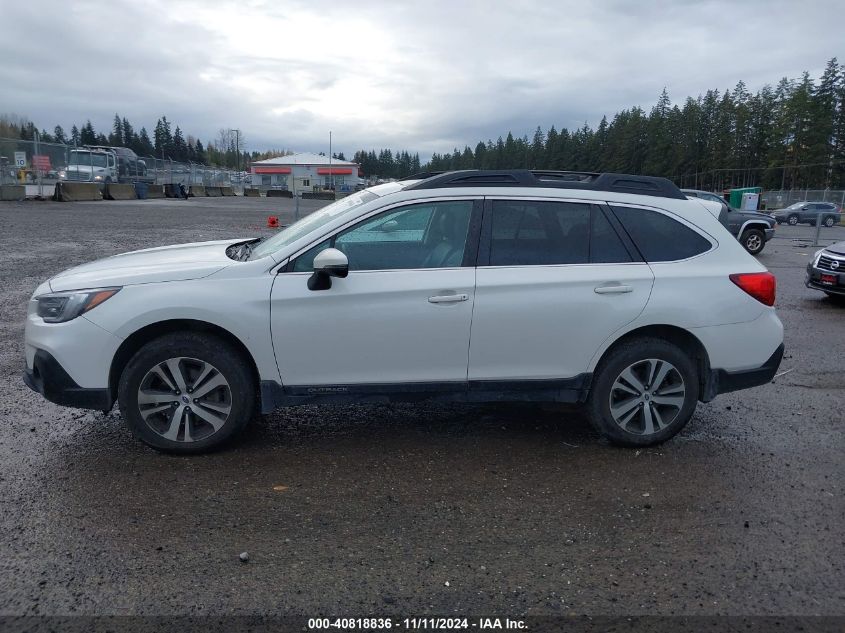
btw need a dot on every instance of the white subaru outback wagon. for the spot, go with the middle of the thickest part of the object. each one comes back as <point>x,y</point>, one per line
<point>609,290</point>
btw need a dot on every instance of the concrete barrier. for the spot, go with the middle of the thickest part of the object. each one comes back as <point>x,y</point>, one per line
<point>252,193</point>
<point>227,191</point>
<point>77,192</point>
<point>279,193</point>
<point>12,192</point>
<point>213,192</point>
<point>119,192</point>
<point>155,191</point>
<point>198,191</point>
<point>318,195</point>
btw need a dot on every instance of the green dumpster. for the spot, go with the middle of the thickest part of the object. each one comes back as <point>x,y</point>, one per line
<point>735,199</point>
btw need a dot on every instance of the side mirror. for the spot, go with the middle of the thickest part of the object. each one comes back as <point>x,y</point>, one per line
<point>327,264</point>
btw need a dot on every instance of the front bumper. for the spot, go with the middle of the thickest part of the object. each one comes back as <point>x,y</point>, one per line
<point>813,279</point>
<point>770,233</point>
<point>50,379</point>
<point>722,381</point>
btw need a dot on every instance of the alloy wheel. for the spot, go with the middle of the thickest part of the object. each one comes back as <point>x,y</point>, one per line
<point>753,242</point>
<point>647,396</point>
<point>184,399</point>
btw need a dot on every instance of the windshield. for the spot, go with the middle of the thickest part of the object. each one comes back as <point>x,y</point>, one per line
<point>311,223</point>
<point>87,158</point>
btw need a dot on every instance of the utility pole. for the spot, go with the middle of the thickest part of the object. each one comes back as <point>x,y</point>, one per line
<point>331,175</point>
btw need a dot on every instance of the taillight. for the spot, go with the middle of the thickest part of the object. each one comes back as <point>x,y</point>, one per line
<point>761,286</point>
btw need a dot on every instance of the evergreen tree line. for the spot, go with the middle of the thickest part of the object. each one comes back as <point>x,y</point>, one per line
<point>166,142</point>
<point>386,164</point>
<point>791,136</point>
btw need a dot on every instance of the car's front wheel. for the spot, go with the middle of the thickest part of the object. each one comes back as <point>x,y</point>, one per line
<point>753,240</point>
<point>643,392</point>
<point>186,392</point>
<point>829,221</point>
<point>792,220</point>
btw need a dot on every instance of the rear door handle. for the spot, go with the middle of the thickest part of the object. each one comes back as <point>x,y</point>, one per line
<point>447,298</point>
<point>616,289</point>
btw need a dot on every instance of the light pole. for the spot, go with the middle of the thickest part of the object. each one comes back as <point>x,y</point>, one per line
<point>237,148</point>
<point>331,175</point>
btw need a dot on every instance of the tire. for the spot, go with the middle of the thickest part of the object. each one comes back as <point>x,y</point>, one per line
<point>636,358</point>
<point>179,421</point>
<point>829,222</point>
<point>792,220</point>
<point>753,240</point>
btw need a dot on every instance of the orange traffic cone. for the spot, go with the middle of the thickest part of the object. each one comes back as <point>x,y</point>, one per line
<point>272,222</point>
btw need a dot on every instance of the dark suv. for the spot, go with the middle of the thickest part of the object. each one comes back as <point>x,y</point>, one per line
<point>129,167</point>
<point>808,213</point>
<point>752,228</point>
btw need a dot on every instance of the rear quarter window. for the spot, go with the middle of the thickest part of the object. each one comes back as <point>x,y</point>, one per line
<point>658,237</point>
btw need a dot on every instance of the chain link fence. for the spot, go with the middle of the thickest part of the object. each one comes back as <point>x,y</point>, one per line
<point>36,163</point>
<point>781,199</point>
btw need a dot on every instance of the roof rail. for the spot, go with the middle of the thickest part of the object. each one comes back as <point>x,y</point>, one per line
<point>422,175</point>
<point>595,181</point>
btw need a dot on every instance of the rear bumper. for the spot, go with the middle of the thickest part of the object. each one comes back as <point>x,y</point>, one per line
<point>722,381</point>
<point>50,379</point>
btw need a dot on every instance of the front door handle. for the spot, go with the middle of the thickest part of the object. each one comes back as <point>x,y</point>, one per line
<point>447,298</point>
<point>616,289</point>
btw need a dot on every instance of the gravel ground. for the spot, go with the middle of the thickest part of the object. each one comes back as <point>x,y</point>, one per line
<point>409,509</point>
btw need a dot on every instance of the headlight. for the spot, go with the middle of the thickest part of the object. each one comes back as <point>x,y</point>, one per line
<point>816,256</point>
<point>63,174</point>
<point>98,177</point>
<point>58,307</point>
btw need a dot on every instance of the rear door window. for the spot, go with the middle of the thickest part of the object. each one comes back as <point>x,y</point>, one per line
<point>545,233</point>
<point>658,237</point>
<point>531,232</point>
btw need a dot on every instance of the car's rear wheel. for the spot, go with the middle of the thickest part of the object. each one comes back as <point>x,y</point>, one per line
<point>186,393</point>
<point>829,221</point>
<point>643,392</point>
<point>792,220</point>
<point>753,240</point>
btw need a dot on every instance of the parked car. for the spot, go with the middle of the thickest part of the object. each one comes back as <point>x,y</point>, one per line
<point>808,213</point>
<point>612,291</point>
<point>826,271</point>
<point>752,228</point>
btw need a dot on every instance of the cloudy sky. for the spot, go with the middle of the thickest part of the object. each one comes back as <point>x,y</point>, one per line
<point>425,76</point>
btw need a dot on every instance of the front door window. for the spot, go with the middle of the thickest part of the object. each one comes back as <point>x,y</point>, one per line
<point>419,236</point>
